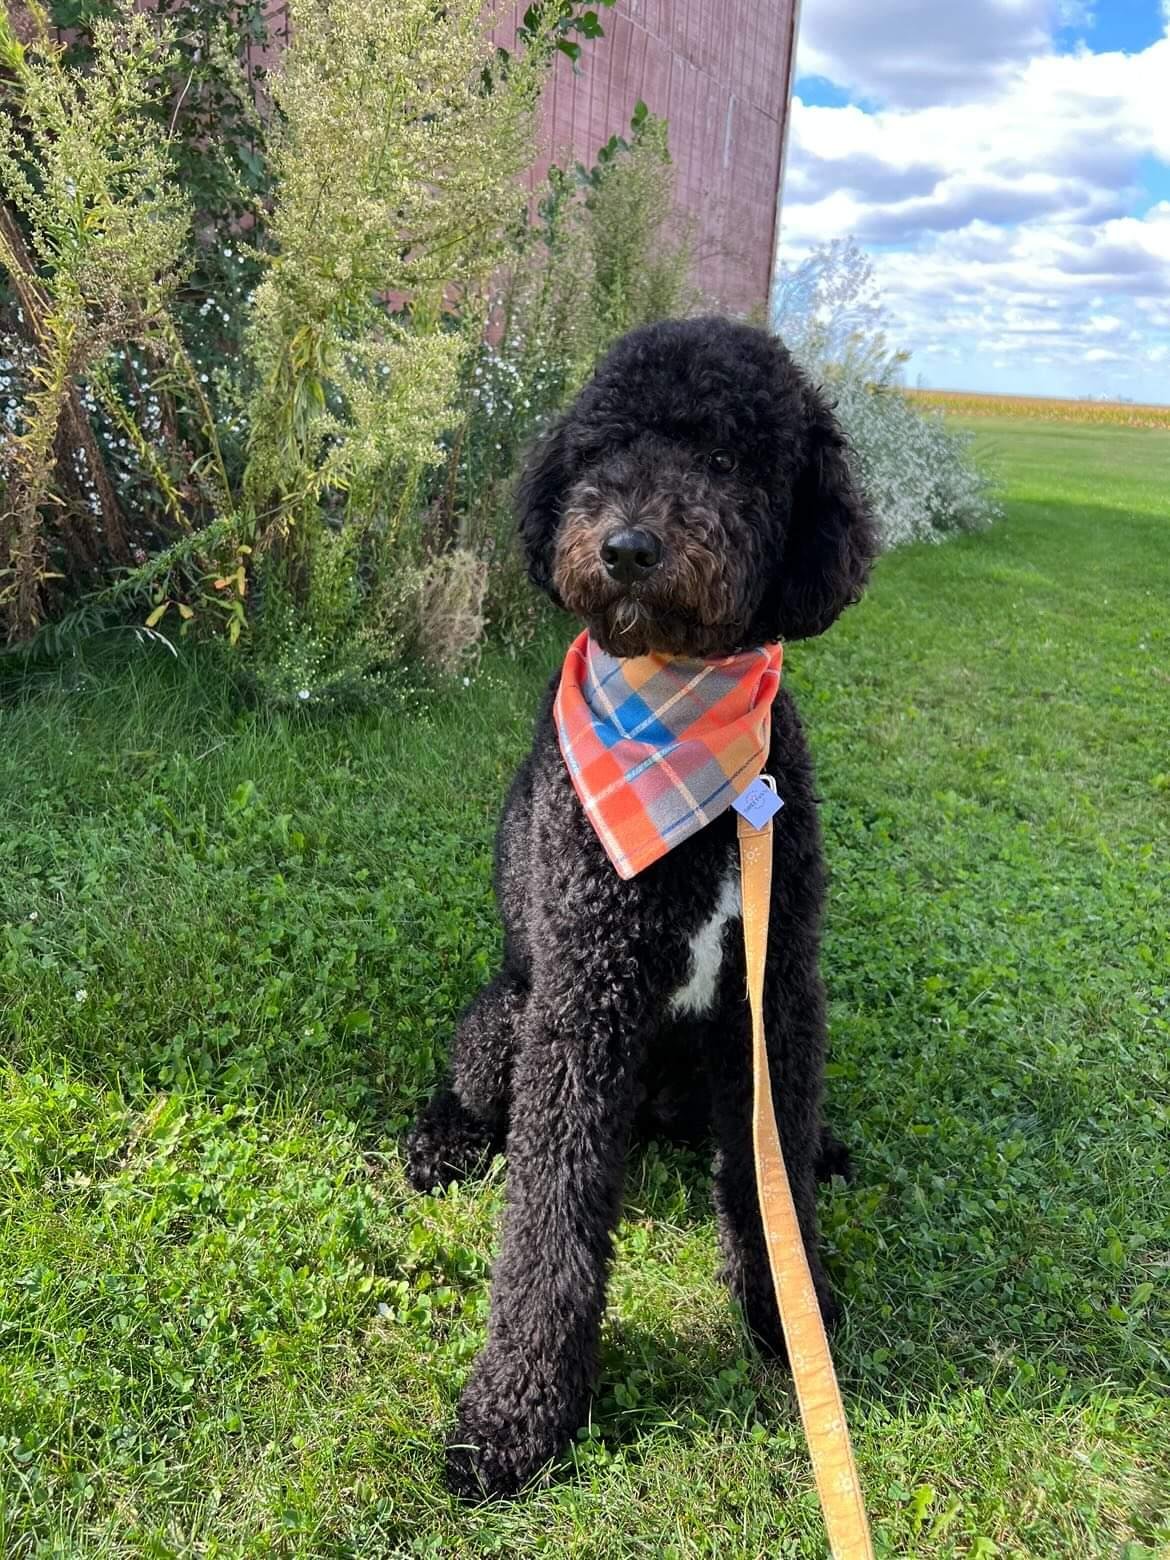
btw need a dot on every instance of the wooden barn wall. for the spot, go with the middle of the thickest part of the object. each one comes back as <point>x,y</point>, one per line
<point>718,71</point>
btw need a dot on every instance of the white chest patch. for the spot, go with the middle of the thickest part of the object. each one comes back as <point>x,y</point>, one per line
<point>697,994</point>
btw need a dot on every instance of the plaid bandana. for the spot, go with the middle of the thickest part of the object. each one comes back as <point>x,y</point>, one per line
<point>656,746</point>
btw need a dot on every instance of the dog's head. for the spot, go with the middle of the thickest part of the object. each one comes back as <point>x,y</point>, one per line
<point>696,497</point>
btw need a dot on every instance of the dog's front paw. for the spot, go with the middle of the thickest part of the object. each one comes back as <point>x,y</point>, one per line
<point>481,1469</point>
<point>497,1445</point>
<point>445,1144</point>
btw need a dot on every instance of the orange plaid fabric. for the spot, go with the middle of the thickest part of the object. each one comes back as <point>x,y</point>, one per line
<point>657,745</point>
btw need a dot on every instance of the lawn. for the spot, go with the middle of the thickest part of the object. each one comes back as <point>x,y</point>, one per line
<point>232,947</point>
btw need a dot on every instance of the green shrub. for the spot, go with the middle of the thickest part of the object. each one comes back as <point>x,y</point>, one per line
<point>916,469</point>
<point>341,402</point>
<point>267,335</point>
<point>93,266</point>
<point>604,255</point>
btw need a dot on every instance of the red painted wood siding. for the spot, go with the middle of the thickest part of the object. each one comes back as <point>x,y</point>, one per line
<point>718,71</point>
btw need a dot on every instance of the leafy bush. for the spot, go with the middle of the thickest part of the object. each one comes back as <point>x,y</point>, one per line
<point>339,402</point>
<point>93,267</point>
<point>916,468</point>
<point>183,92</point>
<point>288,382</point>
<point>606,253</point>
<point>206,106</point>
<point>348,401</point>
<point>639,263</point>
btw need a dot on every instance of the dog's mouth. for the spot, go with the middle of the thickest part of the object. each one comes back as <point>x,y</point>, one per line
<point>648,616</point>
<point>632,625</point>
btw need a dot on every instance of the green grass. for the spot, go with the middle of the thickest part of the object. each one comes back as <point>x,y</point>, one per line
<point>231,951</point>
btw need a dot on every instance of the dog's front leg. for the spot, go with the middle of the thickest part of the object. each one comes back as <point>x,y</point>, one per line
<point>572,1104</point>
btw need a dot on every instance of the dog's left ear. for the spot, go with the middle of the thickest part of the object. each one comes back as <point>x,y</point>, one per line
<point>830,540</point>
<point>540,499</point>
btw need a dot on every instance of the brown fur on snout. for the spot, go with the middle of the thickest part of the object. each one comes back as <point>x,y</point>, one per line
<point>689,605</point>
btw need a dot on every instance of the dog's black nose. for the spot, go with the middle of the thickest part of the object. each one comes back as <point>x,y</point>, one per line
<point>630,555</point>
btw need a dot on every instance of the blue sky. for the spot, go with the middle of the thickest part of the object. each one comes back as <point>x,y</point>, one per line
<point>1006,163</point>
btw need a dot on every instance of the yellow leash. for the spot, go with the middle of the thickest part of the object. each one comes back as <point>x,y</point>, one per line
<point>817,1392</point>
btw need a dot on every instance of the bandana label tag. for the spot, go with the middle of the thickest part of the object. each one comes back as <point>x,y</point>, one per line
<point>758,802</point>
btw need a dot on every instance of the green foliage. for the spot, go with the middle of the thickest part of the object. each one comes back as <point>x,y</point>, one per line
<point>916,468</point>
<point>94,180</point>
<point>233,944</point>
<point>96,263</point>
<point>349,402</point>
<point>309,434</point>
<point>159,423</point>
<point>206,106</point>
<point>558,20</point>
<point>639,268</point>
<point>605,254</point>
<point>373,98</point>
<point>335,407</point>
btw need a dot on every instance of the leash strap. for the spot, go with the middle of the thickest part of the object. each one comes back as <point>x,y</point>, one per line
<point>817,1392</point>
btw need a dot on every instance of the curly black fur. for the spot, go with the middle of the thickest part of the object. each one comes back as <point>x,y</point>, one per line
<point>706,434</point>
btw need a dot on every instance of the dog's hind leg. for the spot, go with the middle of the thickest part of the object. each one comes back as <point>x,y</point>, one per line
<point>466,1119</point>
<point>833,1158</point>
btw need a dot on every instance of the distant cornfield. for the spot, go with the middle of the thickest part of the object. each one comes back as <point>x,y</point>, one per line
<point>1045,409</point>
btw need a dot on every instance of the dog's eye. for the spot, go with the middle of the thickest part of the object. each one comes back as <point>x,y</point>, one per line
<point>722,461</point>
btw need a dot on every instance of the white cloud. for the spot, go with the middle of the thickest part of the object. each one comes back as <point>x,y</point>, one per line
<point>1063,132</point>
<point>1102,325</point>
<point>916,51</point>
<point>1001,202</point>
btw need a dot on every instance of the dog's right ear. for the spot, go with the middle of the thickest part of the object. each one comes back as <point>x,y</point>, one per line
<point>540,500</point>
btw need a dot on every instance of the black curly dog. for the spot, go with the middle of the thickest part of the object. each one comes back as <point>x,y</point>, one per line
<point>696,499</point>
